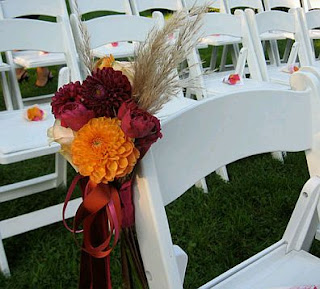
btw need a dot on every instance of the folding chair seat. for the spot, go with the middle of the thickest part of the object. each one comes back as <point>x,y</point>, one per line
<point>22,139</point>
<point>121,49</point>
<point>32,58</point>
<point>241,124</point>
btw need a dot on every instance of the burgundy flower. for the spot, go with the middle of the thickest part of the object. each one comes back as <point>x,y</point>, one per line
<point>139,124</point>
<point>105,90</point>
<point>127,208</point>
<point>143,144</point>
<point>75,115</point>
<point>68,93</point>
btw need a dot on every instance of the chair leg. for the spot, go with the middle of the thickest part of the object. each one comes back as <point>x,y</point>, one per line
<point>4,267</point>
<point>304,220</point>
<point>15,88</point>
<point>287,51</point>
<point>202,184</point>
<point>213,60</point>
<point>61,170</point>
<point>6,92</point>
<point>278,156</point>
<point>223,173</point>
<point>275,52</point>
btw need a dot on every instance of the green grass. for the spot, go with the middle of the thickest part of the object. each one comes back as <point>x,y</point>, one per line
<point>218,230</point>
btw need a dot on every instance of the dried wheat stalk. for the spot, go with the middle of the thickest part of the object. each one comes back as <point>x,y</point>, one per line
<point>156,61</point>
<point>85,54</point>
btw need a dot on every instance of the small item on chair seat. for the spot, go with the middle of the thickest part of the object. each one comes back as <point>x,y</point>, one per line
<point>232,79</point>
<point>34,113</point>
<point>115,44</point>
<point>290,69</point>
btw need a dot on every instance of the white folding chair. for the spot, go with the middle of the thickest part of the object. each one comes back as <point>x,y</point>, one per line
<point>32,58</point>
<point>211,84</point>
<point>23,140</point>
<point>282,21</point>
<point>231,5</point>
<point>214,39</point>
<point>275,35</point>
<point>241,124</point>
<point>121,49</point>
<point>311,22</point>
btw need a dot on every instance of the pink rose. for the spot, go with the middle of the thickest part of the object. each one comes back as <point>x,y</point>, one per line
<point>75,115</point>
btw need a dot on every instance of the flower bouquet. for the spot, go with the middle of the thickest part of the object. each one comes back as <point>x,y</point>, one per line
<point>105,125</point>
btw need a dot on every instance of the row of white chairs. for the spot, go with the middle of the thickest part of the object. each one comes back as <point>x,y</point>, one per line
<point>19,142</point>
<point>31,59</point>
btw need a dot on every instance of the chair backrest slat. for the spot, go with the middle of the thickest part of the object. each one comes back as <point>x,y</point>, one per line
<point>85,6</point>
<point>28,36</point>
<point>217,4</point>
<point>280,121</point>
<point>129,28</point>
<point>219,21</point>
<point>313,19</point>
<point>143,5</point>
<point>275,20</point>
<point>254,4</point>
<point>270,4</point>
<point>18,8</point>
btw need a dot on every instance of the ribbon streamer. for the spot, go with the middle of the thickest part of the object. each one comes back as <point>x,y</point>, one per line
<point>100,216</point>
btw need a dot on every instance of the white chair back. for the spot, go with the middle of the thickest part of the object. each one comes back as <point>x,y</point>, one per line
<point>129,28</point>
<point>270,4</point>
<point>308,24</point>
<point>276,21</point>
<point>85,6</point>
<point>18,8</point>
<point>241,124</point>
<point>60,41</point>
<point>226,25</point>
<point>253,4</point>
<point>107,8</point>
<point>310,4</point>
<point>216,4</point>
<point>143,5</point>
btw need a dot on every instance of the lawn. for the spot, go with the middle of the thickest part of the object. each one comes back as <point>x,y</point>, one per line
<point>238,219</point>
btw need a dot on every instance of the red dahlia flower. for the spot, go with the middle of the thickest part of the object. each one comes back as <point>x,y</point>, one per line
<point>105,90</point>
<point>66,94</point>
<point>139,124</point>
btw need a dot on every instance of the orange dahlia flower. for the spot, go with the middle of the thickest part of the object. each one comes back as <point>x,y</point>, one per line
<point>101,150</point>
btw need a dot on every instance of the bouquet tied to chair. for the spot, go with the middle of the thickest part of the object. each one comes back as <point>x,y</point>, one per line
<point>105,125</point>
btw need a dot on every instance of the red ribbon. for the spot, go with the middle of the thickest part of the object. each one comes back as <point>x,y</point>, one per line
<point>100,216</point>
